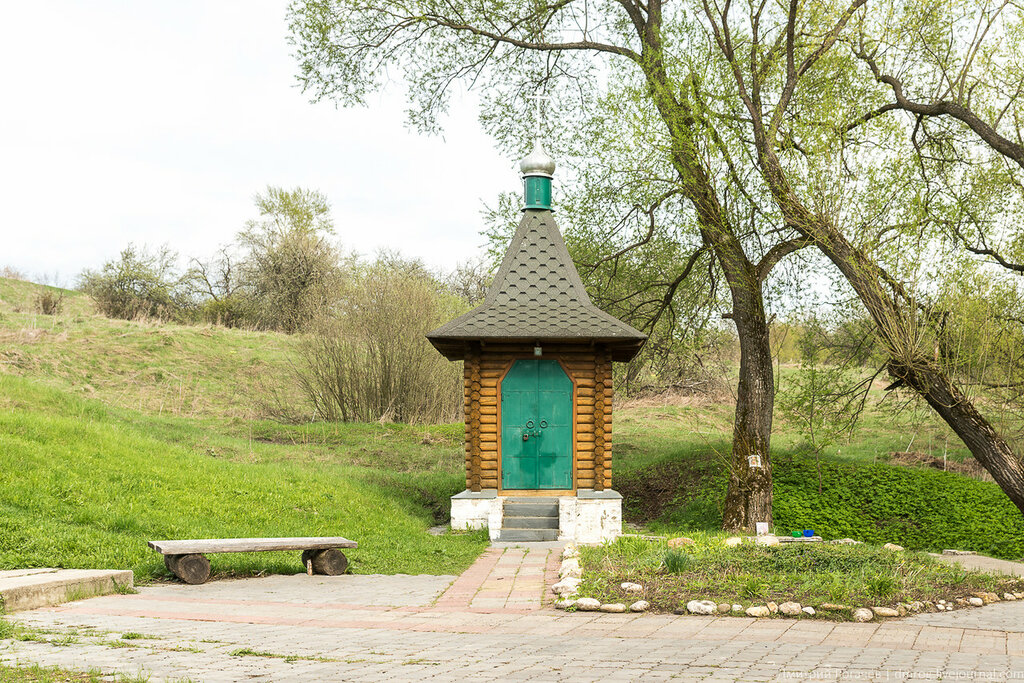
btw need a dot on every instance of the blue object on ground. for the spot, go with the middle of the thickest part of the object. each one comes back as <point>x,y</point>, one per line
<point>808,532</point>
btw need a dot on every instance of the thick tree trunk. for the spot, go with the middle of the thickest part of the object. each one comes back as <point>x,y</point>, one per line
<point>749,496</point>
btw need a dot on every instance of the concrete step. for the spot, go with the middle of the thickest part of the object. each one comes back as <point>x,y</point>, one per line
<point>22,589</point>
<point>528,535</point>
<point>531,509</point>
<point>530,523</point>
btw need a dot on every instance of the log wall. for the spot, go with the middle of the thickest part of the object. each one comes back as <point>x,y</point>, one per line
<point>589,367</point>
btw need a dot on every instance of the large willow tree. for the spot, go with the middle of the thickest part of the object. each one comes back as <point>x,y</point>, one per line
<point>760,128</point>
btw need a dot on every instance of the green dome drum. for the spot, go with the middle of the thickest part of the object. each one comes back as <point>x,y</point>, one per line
<point>537,169</point>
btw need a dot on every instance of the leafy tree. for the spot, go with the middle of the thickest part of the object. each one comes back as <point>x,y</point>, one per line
<point>138,284</point>
<point>289,270</point>
<point>760,128</point>
<point>345,47</point>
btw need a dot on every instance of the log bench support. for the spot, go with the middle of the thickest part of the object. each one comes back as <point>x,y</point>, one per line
<point>187,559</point>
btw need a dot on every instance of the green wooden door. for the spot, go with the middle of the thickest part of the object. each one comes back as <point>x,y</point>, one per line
<point>536,426</point>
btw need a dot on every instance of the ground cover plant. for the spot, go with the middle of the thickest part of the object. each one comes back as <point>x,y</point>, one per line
<point>808,573</point>
<point>673,478</point>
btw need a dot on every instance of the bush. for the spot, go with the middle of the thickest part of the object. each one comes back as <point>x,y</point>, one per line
<point>371,360</point>
<point>290,271</point>
<point>49,301</point>
<point>137,285</point>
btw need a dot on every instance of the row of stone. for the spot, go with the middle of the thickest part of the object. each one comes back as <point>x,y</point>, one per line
<point>570,575</point>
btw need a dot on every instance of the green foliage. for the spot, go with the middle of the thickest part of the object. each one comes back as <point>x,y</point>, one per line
<point>371,360</point>
<point>881,586</point>
<point>138,284</point>
<point>754,588</point>
<point>291,271</point>
<point>676,561</point>
<point>915,508</point>
<point>88,486</point>
<point>825,399</point>
<point>923,509</point>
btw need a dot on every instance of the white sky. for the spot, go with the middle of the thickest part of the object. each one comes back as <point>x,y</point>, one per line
<point>156,123</point>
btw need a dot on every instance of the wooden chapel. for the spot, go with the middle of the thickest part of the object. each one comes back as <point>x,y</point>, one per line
<point>538,389</point>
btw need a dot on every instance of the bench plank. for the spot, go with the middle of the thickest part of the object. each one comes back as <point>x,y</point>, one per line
<point>244,545</point>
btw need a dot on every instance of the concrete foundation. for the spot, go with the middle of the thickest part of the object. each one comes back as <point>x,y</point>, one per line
<point>477,510</point>
<point>590,517</point>
<point>587,517</point>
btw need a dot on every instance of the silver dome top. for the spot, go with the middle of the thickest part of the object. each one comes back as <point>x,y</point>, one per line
<point>537,162</point>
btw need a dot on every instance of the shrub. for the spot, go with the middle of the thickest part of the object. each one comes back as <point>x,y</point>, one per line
<point>49,301</point>
<point>371,360</point>
<point>136,285</point>
<point>12,273</point>
<point>290,270</point>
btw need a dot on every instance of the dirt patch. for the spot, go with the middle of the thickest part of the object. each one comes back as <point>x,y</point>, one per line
<point>968,468</point>
<point>651,492</point>
<point>700,393</point>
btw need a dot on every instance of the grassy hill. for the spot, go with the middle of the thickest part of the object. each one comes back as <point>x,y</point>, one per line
<point>98,458</point>
<point>113,433</point>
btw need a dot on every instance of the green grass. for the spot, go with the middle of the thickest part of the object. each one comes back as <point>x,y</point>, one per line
<point>149,366</point>
<point>811,574</point>
<point>87,485</point>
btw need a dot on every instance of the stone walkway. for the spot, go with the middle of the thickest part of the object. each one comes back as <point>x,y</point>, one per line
<point>491,623</point>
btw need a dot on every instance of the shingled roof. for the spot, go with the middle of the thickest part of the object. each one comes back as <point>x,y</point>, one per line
<point>537,296</point>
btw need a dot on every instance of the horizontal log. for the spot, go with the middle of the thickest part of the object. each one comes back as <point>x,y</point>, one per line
<point>487,438</point>
<point>584,446</point>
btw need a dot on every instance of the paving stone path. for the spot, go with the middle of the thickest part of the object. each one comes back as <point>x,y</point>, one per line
<point>491,623</point>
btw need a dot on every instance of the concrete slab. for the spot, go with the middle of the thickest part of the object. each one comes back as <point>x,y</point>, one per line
<point>983,563</point>
<point>23,589</point>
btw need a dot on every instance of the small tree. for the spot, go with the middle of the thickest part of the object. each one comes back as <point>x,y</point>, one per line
<point>138,284</point>
<point>371,360</point>
<point>290,269</point>
<point>217,284</point>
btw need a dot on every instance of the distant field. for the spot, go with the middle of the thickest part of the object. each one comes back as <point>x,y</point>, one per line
<point>113,433</point>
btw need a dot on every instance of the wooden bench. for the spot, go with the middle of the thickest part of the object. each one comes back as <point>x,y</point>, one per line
<point>187,559</point>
